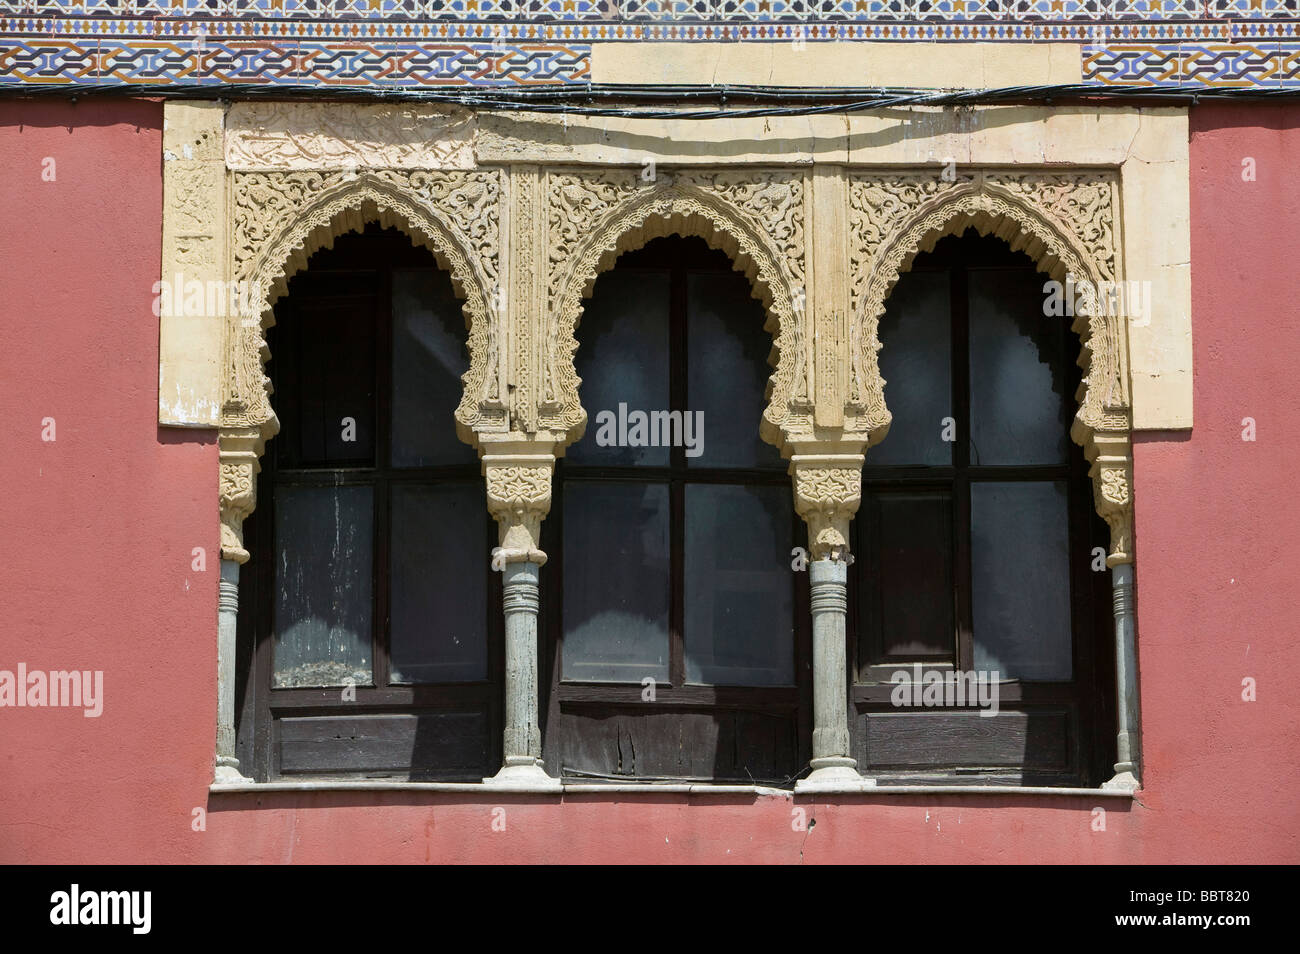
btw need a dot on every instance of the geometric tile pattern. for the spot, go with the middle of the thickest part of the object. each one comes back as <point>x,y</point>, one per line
<point>1210,65</point>
<point>425,43</point>
<point>327,63</point>
<point>630,11</point>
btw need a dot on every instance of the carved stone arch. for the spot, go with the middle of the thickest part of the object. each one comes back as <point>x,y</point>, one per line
<point>1065,222</point>
<point>756,219</point>
<point>280,220</point>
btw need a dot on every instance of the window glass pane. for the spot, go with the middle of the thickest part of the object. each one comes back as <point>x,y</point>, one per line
<point>323,566</point>
<point>622,359</point>
<point>333,345</point>
<point>916,363</point>
<point>428,360</point>
<point>1017,373</point>
<point>439,558</point>
<point>1020,576</point>
<point>727,373</point>
<point>616,589</point>
<point>739,625</point>
<point>907,577</point>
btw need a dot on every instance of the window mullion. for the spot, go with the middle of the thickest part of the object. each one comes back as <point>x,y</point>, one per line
<point>964,613</point>
<point>381,409</point>
<point>677,398</point>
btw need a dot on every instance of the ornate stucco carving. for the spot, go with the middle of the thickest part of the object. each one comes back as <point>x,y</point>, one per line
<point>280,219</point>
<point>1112,476</point>
<point>525,243</point>
<point>347,135</point>
<point>755,216</point>
<point>827,492</point>
<point>1065,222</point>
<point>240,450</point>
<point>519,497</point>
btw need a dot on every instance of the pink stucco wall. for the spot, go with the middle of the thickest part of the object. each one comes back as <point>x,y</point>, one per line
<point>97,531</point>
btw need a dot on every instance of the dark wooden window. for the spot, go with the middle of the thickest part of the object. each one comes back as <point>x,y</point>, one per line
<point>368,608</point>
<point>975,536</point>
<point>671,564</point>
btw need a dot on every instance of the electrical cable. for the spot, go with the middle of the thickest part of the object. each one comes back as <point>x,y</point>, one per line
<point>646,101</point>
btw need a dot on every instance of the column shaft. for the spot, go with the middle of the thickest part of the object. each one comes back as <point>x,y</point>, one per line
<point>832,766</point>
<point>1126,687</point>
<point>227,617</point>
<point>522,760</point>
<point>523,738</point>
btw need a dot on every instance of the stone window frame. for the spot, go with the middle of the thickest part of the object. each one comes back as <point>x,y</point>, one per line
<point>822,215</point>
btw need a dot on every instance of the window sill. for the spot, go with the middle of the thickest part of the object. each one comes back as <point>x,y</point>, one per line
<point>653,788</point>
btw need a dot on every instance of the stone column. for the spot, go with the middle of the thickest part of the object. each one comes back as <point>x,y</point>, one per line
<point>519,497</point>
<point>1111,482</point>
<point>227,615</point>
<point>523,737</point>
<point>827,494</point>
<point>240,450</point>
<point>1126,690</point>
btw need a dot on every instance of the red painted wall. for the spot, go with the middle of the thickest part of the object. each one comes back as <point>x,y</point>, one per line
<point>97,530</point>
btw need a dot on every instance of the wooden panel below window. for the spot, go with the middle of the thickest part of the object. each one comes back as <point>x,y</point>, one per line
<point>1036,740</point>
<point>424,745</point>
<point>725,744</point>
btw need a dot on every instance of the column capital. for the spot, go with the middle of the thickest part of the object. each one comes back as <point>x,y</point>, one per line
<point>827,492</point>
<point>1112,482</point>
<point>240,452</point>
<point>518,476</point>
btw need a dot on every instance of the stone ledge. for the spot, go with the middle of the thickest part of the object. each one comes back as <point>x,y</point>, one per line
<point>652,788</point>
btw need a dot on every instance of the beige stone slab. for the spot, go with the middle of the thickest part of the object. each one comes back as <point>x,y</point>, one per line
<point>985,135</point>
<point>992,135</point>
<point>1162,136</point>
<point>548,138</point>
<point>1157,249</point>
<point>812,64</point>
<point>1161,400</point>
<point>190,338</point>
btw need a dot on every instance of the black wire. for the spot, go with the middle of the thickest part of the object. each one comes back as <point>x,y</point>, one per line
<point>575,99</point>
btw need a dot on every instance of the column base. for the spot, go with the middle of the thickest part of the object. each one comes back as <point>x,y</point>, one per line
<point>833,775</point>
<point>524,773</point>
<point>1125,780</point>
<point>228,773</point>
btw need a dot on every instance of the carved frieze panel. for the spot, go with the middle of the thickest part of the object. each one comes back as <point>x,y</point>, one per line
<point>261,136</point>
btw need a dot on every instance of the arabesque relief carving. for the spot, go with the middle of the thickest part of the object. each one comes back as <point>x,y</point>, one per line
<point>827,492</point>
<point>755,216</point>
<point>1065,222</point>
<point>525,243</point>
<point>519,497</point>
<point>525,212</point>
<point>280,218</point>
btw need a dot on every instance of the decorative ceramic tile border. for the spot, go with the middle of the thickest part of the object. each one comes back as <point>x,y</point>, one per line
<point>1210,64</point>
<point>426,43</point>
<point>35,59</point>
<point>663,11</point>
